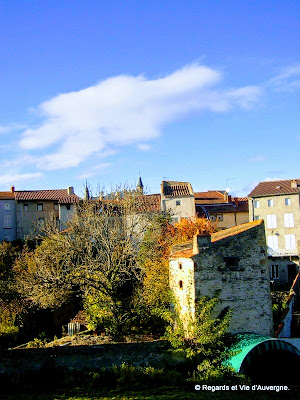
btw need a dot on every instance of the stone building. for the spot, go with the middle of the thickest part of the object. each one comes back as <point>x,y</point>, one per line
<point>35,207</point>
<point>8,224</point>
<point>232,261</point>
<point>278,204</point>
<point>178,197</point>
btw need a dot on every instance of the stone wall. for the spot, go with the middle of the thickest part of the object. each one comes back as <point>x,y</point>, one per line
<point>236,265</point>
<point>156,354</point>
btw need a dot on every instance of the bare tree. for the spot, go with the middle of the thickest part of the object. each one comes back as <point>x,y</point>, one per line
<point>95,258</point>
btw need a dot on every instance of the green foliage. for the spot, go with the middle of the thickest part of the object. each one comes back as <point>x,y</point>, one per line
<point>204,340</point>
<point>279,305</point>
<point>8,254</point>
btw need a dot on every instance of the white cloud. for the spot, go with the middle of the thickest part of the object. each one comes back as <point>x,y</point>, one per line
<point>287,80</point>
<point>18,179</point>
<point>5,129</point>
<point>123,110</point>
<point>95,170</point>
<point>257,158</point>
<point>269,179</point>
<point>143,146</point>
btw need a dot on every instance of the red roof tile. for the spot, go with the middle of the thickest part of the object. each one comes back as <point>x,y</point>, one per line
<point>210,195</point>
<point>275,187</point>
<point>149,202</point>
<point>176,189</point>
<point>235,230</point>
<point>187,252</point>
<point>59,195</point>
<point>7,196</point>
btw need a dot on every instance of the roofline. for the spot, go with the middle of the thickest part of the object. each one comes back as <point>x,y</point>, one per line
<point>274,194</point>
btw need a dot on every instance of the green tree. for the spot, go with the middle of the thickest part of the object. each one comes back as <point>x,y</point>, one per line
<point>204,340</point>
<point>10,302</point>
<point>97,258</point>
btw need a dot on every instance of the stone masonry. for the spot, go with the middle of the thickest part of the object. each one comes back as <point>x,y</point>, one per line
<point>233,261</point>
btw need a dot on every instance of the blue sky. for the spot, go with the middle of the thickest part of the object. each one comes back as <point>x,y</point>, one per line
<point>200,91</point>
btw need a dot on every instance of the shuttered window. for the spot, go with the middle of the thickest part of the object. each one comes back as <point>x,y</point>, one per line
<point>289,220</point>
<point>290,242</point>
<point>271,221</point>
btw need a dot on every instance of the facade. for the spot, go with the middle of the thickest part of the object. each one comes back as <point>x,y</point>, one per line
<point>178,197</point>
<point>220,208</point>
<point>8,224</point>
<point>278,203</point>
<point>34,208</point>
<point>233,261</point>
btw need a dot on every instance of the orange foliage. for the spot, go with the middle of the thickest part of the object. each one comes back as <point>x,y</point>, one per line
<point>185,229</point>
<point>182,231</point>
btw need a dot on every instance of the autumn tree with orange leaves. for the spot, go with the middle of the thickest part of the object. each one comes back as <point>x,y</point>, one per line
<point>155,295</point>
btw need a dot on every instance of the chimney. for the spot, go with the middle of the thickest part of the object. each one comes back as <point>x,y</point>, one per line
<point>12,189</point>
<point>229,199</point>
<point>236,201</point>
<point>294,184</point>
<point>70,190</point>
<point>201,242</point>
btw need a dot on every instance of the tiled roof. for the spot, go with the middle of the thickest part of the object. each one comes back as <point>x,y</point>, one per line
<point>275,187</point>
<point>224,208</point>
<point>210,195</point>
<point>149,202</point>
<point>187,252</point>
<point>59,195</point>
<point>235,230</point>
<point>176,189</point>
<point>7,196</point>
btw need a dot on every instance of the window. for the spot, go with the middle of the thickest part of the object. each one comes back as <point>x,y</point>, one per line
<point>40,207</point>
<point>290,242</point>
<point>55,206</point>
<point>6,206</point>
<point>274,271</point>
<point>272,242</point>
<point>231,261</point>
<point>25,207</point>
<point>271,221</point>
<point>68,207</point>
<point>287,201</point>
<point>180,265</point>
<point>7,222</point>
<point>289,220</point>
<point>175,219</point>
<point>270,203</point>
<point>180,284</point>
<point>178,202</point>
<point>220,217</point>
<point>41,221</point>
<point>256,203</point>
<point>256,217</point>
